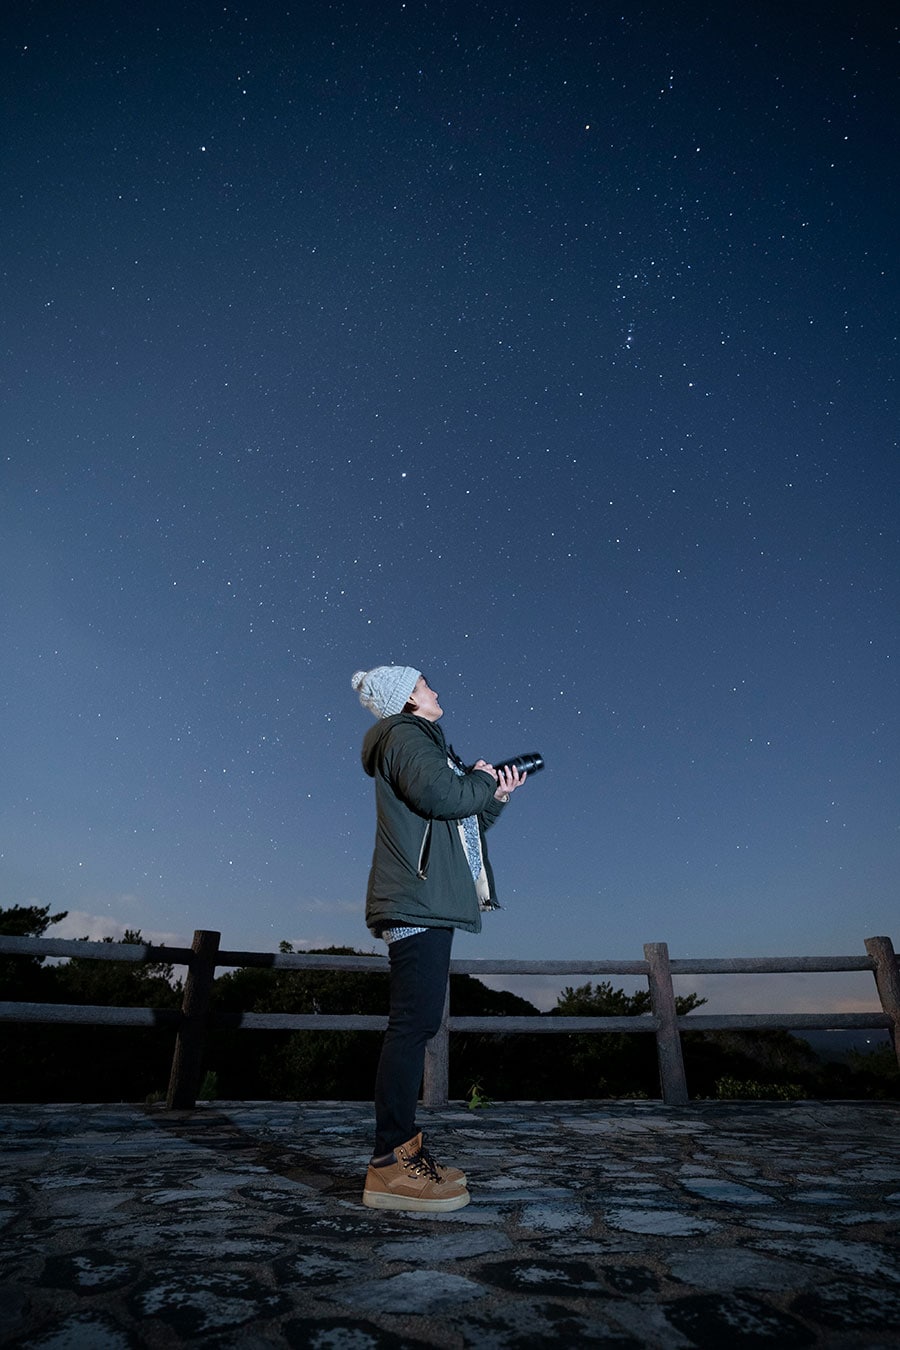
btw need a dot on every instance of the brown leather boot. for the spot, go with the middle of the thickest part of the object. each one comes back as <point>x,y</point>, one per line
<point>413,1181</point>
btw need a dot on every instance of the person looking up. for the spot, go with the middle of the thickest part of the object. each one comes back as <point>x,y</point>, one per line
<point>430,875</point>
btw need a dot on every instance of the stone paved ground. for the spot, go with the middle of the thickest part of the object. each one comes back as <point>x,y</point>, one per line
<point>619,1225</point>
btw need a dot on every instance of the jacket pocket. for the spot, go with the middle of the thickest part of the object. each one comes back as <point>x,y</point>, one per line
<point>424,854</point>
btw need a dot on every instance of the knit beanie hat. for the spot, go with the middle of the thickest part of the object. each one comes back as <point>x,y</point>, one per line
<point>386,689</point>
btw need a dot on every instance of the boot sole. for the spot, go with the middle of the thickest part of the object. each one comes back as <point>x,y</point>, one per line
<point>383,1200</point>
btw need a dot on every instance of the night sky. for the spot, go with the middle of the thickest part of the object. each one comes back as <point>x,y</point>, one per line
<point>548,348</point>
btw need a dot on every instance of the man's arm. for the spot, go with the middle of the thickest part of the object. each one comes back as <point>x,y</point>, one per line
<point>420,774</point>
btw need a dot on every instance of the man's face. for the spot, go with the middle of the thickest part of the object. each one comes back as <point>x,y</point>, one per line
<point>426,701</point>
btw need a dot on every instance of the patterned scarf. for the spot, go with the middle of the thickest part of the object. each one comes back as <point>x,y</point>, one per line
<point>470,830</point>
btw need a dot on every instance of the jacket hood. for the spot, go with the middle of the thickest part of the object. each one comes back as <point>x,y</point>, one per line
<point>376,735</point>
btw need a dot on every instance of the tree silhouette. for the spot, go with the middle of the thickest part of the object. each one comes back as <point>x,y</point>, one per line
<point>123,984</point>
<point>22,977</point>
<point>612,1064</point>
<point>297,1066</point>
<point>40,1062</point>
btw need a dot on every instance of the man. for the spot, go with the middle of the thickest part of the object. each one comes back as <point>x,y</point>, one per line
<point>430,874</point>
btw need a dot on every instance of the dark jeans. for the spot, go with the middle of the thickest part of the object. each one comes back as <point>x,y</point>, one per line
<point>419,968</point>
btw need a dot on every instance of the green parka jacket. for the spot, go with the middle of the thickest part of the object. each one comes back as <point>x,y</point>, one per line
<point>420,876</point>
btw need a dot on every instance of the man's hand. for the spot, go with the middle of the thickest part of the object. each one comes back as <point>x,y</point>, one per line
<point>507,782</point>
<point>507,779</point>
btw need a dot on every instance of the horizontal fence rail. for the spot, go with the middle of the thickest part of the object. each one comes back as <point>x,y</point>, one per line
<point>204,957</point>
<point>90,1014</point>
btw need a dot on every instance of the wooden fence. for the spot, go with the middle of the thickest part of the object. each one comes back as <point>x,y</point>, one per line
<point>204,957</point>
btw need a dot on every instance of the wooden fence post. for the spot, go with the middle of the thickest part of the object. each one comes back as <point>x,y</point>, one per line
<point>668,1040</point>
<point>436,1087</point>
<point>887,981</point>
<point>187,1062</point>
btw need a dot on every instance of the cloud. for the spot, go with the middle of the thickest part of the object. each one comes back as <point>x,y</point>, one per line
<point>80,923</point>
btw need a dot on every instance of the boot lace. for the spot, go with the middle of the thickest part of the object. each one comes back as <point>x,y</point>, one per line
<point>421,1164</point>
<point>429,1157</point>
